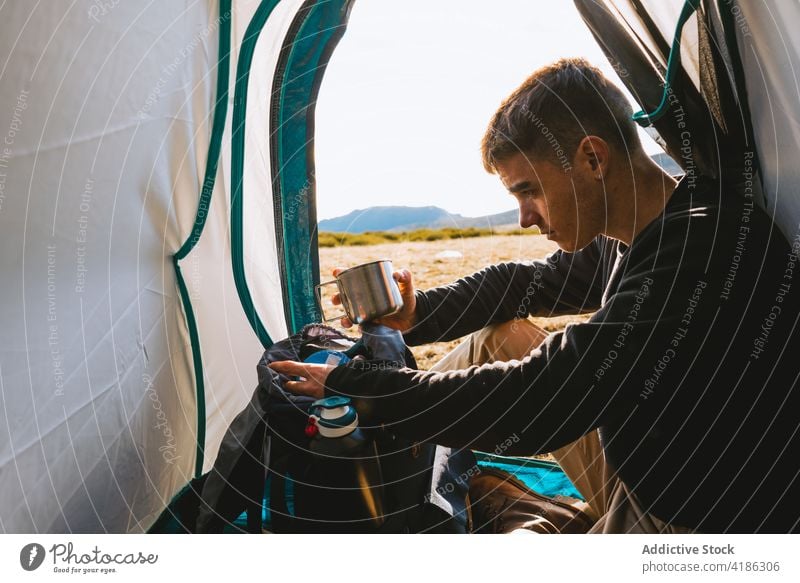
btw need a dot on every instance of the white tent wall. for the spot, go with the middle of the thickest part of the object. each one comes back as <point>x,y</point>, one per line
<point>105,132</point>
<point>230,348</point>
<point>665,13</point>
<point>770,53</point>
<point>93,406</point>
<point>260,247</point>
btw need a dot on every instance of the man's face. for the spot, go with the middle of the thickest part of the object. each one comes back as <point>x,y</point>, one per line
<point>564,204</point>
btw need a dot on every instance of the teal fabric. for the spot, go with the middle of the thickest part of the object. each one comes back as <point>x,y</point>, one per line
<point>321,25</point>
<point>540,475</point>
<point>313,35</point>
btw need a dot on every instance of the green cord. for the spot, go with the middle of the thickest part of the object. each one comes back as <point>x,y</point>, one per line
<point>643,118</point>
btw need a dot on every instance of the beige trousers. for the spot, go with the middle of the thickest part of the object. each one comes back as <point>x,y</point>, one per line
<point>611,504</point>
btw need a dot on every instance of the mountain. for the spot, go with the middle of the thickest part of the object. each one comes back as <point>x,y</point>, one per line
<point>407,218</point>
<point>383,218</point>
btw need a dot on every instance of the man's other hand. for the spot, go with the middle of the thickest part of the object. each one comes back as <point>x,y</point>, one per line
<point>313,377</point>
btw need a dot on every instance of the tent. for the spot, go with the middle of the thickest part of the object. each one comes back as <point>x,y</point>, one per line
<point>157,208</point>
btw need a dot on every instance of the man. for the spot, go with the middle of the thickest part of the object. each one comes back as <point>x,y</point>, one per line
<point>675,407</point>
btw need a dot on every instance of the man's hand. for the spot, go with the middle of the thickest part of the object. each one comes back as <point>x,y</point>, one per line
<point>314,377</point>
<point>402,320</point>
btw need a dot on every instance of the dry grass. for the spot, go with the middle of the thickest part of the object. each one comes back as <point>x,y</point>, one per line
<point>379,237</point>
<point>429,271</point>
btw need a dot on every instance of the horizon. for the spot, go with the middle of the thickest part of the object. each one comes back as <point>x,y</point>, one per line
<point>389,206</point>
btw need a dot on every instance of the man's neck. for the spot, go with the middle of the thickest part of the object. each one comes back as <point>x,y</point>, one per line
<point>637,197</point>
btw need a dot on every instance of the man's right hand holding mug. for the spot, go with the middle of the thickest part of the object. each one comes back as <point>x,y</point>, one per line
<point>402,320</point>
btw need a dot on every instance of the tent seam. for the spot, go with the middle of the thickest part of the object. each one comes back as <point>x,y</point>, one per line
<point>203,207</point>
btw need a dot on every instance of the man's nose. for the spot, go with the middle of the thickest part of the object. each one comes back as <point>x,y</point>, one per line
<point>528,217</point>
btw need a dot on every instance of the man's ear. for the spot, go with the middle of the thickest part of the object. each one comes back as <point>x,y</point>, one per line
<point>593,154</point>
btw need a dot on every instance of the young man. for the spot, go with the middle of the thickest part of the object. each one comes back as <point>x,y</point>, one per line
<point>676,406</point>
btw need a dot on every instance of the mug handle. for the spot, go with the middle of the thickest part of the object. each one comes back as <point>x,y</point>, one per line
<point>318,293</point>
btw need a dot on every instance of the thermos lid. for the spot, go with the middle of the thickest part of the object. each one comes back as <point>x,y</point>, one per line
<point>334,416</point>
<point>331,402</point>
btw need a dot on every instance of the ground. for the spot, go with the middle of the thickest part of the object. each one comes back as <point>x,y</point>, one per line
<point>468,255</point>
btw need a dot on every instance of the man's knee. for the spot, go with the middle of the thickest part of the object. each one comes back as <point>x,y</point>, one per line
<point>522,329</point>
<point>504,341</point>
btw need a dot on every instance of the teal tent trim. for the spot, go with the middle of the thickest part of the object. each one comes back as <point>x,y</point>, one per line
<point>237,165</point>
<point>203,207</point>
<point>673,63</point>
<point>309,43</point>
<point>312,38</point>
<point>329,15</point>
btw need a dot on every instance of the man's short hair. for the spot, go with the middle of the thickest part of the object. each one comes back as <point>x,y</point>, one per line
<point>553,110</point>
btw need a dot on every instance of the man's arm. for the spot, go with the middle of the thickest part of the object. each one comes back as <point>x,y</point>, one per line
<point>564,283</point>
<point>580,379</point>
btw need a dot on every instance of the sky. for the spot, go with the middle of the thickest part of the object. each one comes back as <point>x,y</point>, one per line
<point>411,87</point>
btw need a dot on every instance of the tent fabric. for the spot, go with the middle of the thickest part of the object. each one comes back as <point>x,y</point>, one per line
<point>770,54</point>
<point>212,161</point>
<point>741,104</point>
<point>706,129</point>
<point>318,28</point>
<point>639,55</point>
<point>659,19</point>
<point>673,65</point>
<point>102,170</point>
<point>300,37</point>
<point>97,388</point>
<point>253,230</point>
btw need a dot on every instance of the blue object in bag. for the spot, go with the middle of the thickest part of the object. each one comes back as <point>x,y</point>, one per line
<point>334,357</point>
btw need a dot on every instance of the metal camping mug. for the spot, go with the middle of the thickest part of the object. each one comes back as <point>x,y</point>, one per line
<point>368,291</point>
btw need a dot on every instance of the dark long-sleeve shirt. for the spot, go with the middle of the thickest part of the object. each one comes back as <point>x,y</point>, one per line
<point>688,366</point>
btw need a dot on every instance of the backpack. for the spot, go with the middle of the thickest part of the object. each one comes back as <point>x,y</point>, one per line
<point>390,485</point>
